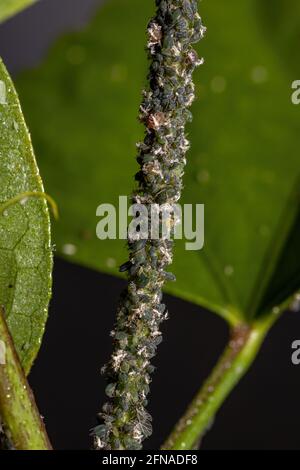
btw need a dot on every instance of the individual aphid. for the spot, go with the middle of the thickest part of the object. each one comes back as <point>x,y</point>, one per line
<point>122,337</point>
<point>125,267</point>
<point>99,430</point>
<point>139,256</point>
<point>169,276</point>
<point>110,390</point>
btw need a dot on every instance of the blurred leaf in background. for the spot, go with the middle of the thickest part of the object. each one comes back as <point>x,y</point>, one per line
<point>244,166</point>
<point>9,8</point>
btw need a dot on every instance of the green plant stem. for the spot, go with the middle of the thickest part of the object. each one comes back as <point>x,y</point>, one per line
<point>20,418</point>
<point>245,342</point>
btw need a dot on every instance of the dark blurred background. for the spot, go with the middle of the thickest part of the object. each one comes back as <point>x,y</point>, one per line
<point>262,413</point>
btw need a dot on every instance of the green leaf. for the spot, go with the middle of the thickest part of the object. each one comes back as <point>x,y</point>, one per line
<point>25,249</point>
<point>243,164</point>
<point>9,8</point>
<point>281,24</point>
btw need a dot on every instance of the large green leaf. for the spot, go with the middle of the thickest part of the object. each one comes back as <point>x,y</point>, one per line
<point>25,249</point>
<point>244,163</point>
<point>281,24</point>
<point>9,8</point>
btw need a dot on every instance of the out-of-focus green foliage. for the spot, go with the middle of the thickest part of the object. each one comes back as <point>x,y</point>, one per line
<point>244,165</point>
<point>280,25</point>
<point>25,249</point>
<point>9,8</point>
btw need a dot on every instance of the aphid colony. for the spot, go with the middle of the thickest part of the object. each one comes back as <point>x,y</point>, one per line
<point>124,422</point>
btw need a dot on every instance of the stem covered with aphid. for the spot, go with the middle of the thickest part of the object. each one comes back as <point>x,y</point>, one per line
<point>124,421</point>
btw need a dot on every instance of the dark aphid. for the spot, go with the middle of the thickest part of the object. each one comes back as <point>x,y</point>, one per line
<point>137,245</point>
<point>155,66</point>
<point>170,71</point>
<point>148,315</point>
<point>134,270</point>
<point>143,298</point>
<point>164,195</point>
<point>99,431</point>
<point>158,340</point>
<point>182,26</point>
<point>188,116</point>
<point>163,6</point>
<point>110,390</point>
<point>125,267</point>
<point>116,444</point>
<point>139,256</point>
<point>196,36</point>
<point>188,10</point>
<point>131,443</point>
<point>151,350</point>
<point>123,380</point>
<point>153,254</point>
<point>148,139</point>
<point>125,367</point>
<point>168,42</point>
<point>142,281</point>
<point>107,409</point>
<point>169,276</point>
<point>161,308</point>
<point>150,369</point>
<point>139,176</point>
<point>146,158</point>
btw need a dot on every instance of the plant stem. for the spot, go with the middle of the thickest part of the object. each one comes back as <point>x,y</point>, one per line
<point>20,418</point>
<point>245,342</point>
